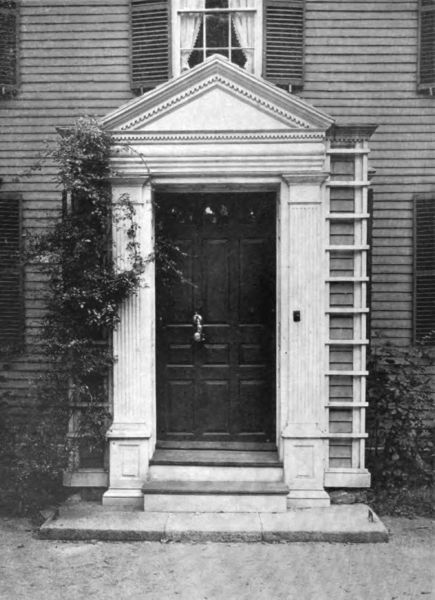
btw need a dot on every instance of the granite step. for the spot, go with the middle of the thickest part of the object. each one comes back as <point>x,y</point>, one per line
<point>172,464</point>
<point>215,496</point>
<point>216,445</point>
<point>214,457</point>
<point>355,523</point>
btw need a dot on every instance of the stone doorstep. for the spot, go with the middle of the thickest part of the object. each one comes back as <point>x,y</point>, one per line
<point>215,496</point>
<point>346,524</point>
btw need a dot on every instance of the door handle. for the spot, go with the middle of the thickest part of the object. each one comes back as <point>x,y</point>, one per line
<point>198,335</point>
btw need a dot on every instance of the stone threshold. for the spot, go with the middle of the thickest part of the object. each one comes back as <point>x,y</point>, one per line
<point>355,523</point>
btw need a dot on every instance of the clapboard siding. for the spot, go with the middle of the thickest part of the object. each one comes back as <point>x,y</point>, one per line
<point>74,60</point>
<point>360,65</point>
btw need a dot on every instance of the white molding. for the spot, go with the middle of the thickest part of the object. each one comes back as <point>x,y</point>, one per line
<point>213,137</point>
<point>308,177</point>
<point>229,182</point>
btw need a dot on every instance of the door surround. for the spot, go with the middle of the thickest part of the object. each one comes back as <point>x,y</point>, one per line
<point>221,127</point>
<point>301,392</point>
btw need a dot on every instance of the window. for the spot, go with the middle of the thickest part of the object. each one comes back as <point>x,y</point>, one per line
<point>426,46</point>
<point>424,267</point>
<point>8,47</point>
<point>11,309</point>
<point>206,27</point>
<point>264,37</point>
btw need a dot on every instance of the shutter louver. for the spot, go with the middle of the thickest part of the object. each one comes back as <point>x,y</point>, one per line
<point>8,47</point>
<point>149,43</point>
<point>426,69</point>
<point>284,41</point>
<point>11,311</point>
<point>424,259</point>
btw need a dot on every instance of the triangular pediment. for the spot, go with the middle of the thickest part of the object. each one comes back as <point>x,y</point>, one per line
<point>216,96</point>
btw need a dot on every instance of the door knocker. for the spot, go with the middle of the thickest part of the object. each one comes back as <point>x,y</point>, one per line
<point>198,335</point>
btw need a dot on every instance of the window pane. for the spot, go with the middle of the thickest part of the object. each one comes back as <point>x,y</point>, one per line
<point>216,3</point>
<point>196,57</point>
<point>217,29</point>
<point>238,57</point>
<point>242,36</point>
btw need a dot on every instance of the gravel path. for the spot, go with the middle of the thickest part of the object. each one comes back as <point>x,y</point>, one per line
<point>35,569</point>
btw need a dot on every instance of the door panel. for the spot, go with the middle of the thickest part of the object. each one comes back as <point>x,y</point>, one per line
<point>216,279</point>
<point>221,249</point>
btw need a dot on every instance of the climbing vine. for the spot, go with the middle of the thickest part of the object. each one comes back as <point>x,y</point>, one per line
<point>85,288</point>
<point>85,292</point>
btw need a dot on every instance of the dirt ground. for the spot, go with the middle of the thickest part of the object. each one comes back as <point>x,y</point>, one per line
<point>34,569</point>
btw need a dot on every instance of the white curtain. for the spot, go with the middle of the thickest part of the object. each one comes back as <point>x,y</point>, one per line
<point>189,28</point>
<point>244,25</point>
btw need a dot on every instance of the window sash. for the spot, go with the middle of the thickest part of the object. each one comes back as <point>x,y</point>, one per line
<point>255,50</point>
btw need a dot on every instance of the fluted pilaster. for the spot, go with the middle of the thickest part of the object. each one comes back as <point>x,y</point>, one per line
<point>132,434</point>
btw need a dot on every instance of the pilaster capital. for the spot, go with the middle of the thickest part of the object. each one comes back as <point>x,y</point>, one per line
<point>305,177</point>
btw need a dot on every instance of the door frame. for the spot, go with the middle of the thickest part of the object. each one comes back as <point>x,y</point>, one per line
<point>301,386</point>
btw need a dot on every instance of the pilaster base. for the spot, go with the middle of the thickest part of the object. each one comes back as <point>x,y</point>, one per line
<point>308,499</point>
<point>304,466</point>
<point>129,462</point>
<point>122,499</point>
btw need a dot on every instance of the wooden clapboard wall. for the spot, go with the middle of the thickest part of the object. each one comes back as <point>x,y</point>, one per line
<point>361,67</point>
<point>74,59</point>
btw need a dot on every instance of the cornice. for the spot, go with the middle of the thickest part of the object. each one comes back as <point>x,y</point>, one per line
<point>351,132</point>
<point>214,137</point>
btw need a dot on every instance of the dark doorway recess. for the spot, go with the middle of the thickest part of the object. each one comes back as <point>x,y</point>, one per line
<point>221,385</point>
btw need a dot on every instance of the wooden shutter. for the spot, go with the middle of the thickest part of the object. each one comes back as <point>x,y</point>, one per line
<point>8,47</point>
<point>149,43</point>
<point>11,309</point>
<point>424,265</point>
<point>284,41</point>
<point>426,50</point>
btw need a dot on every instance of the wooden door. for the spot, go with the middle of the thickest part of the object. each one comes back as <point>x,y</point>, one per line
<point>220,250</point>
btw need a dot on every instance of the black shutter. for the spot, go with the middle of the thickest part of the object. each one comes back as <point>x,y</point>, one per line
<point>424,267</point>
<point>284,41</point>
<point>8,47</point>
<point>11,308</point>
<point>426,50</point>
<point>149,43</point>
